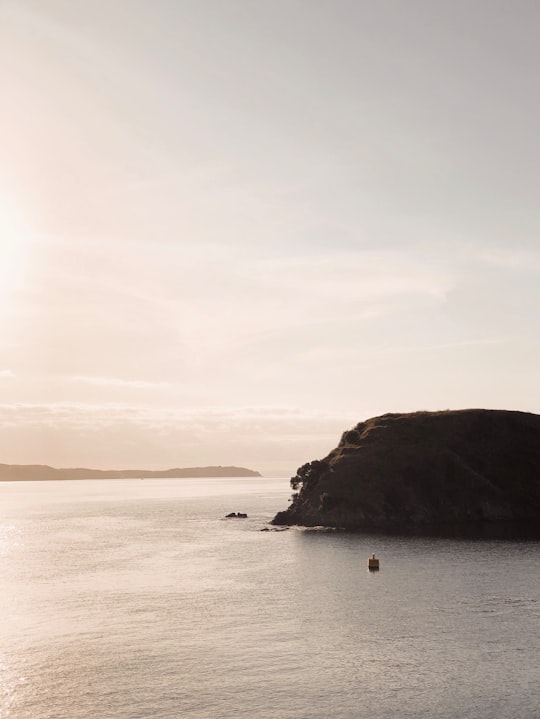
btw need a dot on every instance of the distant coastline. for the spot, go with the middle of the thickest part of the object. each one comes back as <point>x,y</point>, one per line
<point>43,473</point>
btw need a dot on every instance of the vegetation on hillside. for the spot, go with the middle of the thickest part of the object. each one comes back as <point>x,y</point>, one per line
<point>422,469</point>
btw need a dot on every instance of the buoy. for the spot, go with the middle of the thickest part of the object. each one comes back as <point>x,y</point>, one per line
<point>373,562</point>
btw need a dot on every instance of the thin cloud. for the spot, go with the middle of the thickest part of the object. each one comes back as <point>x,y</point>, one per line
<point>118,382</point>
<point>446,346</point>
<point>516,259</point>
<point>269,439</point>
<point>204,426</point>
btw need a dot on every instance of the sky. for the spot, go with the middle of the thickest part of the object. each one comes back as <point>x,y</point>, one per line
<point>231,230</point>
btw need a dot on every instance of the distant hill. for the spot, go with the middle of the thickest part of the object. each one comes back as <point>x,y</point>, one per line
<point>42,472</point>
<point>426,469</point>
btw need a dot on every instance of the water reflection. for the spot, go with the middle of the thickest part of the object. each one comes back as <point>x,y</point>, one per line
<point>510,531</point>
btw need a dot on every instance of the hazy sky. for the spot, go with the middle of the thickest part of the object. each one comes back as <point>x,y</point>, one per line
<point>230,229</point>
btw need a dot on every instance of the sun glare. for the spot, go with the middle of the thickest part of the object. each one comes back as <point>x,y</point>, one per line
<point>14,238</point>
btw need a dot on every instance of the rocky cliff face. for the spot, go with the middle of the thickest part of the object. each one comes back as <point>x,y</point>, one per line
<point>424,469</point>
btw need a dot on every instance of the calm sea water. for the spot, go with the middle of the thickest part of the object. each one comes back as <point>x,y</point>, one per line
<point>136,599</point>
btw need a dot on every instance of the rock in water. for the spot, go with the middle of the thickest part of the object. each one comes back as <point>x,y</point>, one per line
<point>424,469</point>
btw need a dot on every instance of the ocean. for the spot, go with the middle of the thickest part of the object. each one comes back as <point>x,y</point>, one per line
<point>132,599</point>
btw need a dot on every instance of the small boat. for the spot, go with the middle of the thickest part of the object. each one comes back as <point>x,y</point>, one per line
<point>373,562</point>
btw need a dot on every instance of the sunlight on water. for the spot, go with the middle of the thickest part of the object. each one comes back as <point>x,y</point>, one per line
<point>130,599</point>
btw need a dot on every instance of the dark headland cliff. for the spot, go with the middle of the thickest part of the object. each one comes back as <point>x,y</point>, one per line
<point>42,472</point>
<point>424,470</point>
